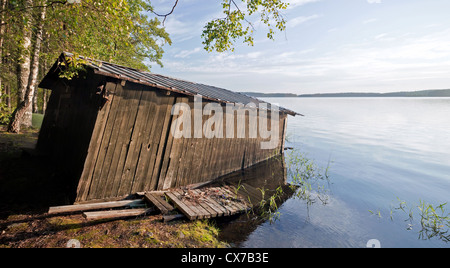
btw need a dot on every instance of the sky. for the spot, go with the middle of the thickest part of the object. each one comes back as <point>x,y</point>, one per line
<point>329,46</point>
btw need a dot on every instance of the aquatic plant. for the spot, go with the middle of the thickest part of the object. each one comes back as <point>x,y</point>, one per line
<point>309,179</point>
<point>434,219</point>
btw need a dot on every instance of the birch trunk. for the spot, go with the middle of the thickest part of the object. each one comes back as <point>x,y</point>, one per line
<point>23,70</point>
<point>35,102</point>
<point>26,104</point>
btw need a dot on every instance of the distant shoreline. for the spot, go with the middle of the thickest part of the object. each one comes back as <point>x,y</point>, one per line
<point>421,93</point>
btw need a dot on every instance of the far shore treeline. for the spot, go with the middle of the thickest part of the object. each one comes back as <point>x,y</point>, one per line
<point>421,93</point>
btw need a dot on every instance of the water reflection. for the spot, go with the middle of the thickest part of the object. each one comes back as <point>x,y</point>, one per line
<point>269,176</point>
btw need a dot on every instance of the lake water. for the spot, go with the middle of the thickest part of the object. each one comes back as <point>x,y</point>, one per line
<point>378,150</point>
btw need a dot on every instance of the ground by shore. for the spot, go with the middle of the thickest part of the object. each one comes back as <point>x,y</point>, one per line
<point>27,190</point>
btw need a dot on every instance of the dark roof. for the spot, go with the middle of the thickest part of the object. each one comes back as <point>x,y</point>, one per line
<point>159,81</point>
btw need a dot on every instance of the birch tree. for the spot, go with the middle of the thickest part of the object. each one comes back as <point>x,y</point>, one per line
<point>110,30</point>
<point>23,111</point>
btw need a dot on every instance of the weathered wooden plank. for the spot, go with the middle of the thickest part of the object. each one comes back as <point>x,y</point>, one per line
<point>186,155</point>
<point>125,172</point>
<point>228,201</point>
<point>220,201</point>
<point>165,143</point>
<point>214,158</point>
<point>173,157</point>
<point>105,177</point>
<point>116,186</point>
<point>157,200</point>
<point>201,212</point>
<point>150,146</point>
<point>139,134</point>
<point>196,149</point>
<point>209,202</point>
<point>156,143</point>
<point>283,134</point>
<point>94,147</point>
<point>94,206</point>
<point>241,203</point>
<point>145,143</point>
<point>203,162</point>
<point>179,178</point>
<point>220,157</point>
<point>219,210</point>
<point>228,150</point>
<point>208,155</point>
<point>190,214</point>
<point>106,143</point>
<point>204,204</point>
<point>214,201</point>
<point>197,164</point>
<point>112,214</point>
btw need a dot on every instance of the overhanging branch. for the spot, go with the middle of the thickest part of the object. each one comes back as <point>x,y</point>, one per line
<point>165,15</point>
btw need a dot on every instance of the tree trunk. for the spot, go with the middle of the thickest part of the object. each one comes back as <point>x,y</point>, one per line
<point>44,101</point>
<point>25,105</point>
<point>8,97</point>
<point>2,33</point>
<point>35,102</point>
<point>23,70</point>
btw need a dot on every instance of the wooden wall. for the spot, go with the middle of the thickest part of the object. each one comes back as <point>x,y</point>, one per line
<point>127,146</point>
<point>67,127</point>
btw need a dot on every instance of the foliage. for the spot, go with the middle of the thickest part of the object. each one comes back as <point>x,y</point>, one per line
<point>221,34</point>
<point>4,111</point>
<point>116,31</point>
<point>72,67</point>
<point>5,116</point>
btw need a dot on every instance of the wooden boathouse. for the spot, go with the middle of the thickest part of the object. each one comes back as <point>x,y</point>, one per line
<point>108,131</point>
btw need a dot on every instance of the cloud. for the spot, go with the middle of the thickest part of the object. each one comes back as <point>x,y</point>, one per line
<point>186,53</point>
<point>369,21</point>
<point>374,1</point>
<point>302,19</point>
<point>403,63</point>
<point>297,3</point>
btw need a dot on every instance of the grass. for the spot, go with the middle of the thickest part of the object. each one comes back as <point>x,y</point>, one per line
<point>40,231</point>
<point>37,120</point>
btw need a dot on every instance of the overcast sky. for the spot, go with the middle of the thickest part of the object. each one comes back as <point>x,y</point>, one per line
<point>329,46</point>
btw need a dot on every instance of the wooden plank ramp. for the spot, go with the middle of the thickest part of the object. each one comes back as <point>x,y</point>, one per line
<point>116,214</point>
<point>196,202</point>
<point>95,206</point>
<point>158,200</point>
<point>208,202</point>
<point>106,210</point>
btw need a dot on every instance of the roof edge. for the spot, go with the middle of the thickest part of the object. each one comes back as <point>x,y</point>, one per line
<point>96,65</point>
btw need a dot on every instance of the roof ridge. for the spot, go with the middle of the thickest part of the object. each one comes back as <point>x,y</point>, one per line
<point>169,83</point>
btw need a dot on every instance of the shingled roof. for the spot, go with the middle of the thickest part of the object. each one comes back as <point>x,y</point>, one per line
<point>158,81</point>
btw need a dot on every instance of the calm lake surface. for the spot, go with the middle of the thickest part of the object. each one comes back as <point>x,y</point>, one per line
<point>377,150</point>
